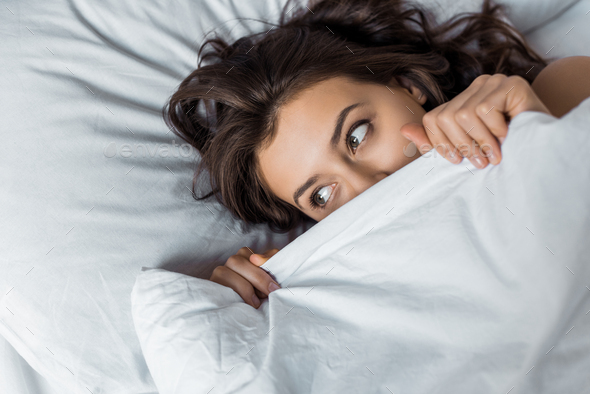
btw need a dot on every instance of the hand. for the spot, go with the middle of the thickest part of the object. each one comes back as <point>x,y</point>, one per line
<point>243,274</point>
<point>474,123</point>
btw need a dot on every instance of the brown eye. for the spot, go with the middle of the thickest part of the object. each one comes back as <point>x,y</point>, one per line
<point>356,137</point>
<point>320,197</point>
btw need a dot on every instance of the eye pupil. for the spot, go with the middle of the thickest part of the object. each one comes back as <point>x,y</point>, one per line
<point>354,141</point>
<point>319,199</point>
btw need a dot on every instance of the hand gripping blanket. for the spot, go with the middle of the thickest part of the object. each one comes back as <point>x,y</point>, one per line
<point>441,278</point>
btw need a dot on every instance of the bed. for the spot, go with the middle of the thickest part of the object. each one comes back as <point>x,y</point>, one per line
<point>95,187</point>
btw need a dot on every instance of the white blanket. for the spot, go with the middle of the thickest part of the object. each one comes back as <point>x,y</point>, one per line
<point>439,279</point>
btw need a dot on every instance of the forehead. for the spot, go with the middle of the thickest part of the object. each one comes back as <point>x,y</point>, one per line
<point>304,128</point>
<point>330,90</point>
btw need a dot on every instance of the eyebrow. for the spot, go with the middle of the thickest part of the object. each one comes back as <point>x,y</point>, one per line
<point>333,143</point>
<point>340,122</point>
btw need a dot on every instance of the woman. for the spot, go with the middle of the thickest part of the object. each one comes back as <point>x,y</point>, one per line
<point>301,119</point>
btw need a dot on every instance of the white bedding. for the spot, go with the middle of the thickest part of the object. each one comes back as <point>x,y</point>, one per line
<point>80,219</point>
<point>439,279</point>
<point>17,376</point>
<point>78,225</point>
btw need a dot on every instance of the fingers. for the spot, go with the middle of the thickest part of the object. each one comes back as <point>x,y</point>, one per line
<point>482,145</point>
<point>259,259</point>
<point>248,280</point>
<point>488,147</point>
<point>259,294</point>
<point>258,277</point>
<point>245,251</point>
<point>483,124</point>
<point>463,126</point>
<point>228,278</point>
<point>416,133</point>
<point>466,141</point>
<point>446,149</point>
<point>470,123</point>
<point>439,138</point>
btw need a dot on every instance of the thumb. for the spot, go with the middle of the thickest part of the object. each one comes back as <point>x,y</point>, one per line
<point>415,132</point>
<point>260,258</point>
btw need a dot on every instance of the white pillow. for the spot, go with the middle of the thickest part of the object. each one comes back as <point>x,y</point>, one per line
<point>567,35</point>
<point>83,86</point>
<point>525,15</point>
<point>81,79</point>
<point>529,15</point>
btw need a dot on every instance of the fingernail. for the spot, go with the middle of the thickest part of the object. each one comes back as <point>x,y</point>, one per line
<point>479,161</point>
<point>255,300</point>
<point>501,139</point>
<point>455,159</point>
<point>272,287</point>
<point>493,158</point>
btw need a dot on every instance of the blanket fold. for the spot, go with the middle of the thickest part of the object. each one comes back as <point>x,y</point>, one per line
<point>440,278</point>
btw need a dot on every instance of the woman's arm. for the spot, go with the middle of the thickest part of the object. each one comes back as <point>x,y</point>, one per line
<point>563,84</point>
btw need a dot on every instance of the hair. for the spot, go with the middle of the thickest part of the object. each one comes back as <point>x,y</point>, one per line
<point>227,107</point>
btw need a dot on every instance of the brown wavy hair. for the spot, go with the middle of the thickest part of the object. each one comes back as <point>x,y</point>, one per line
<point>227,107</point>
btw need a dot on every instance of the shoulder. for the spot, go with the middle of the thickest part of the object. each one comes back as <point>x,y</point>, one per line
<point>563,84</point>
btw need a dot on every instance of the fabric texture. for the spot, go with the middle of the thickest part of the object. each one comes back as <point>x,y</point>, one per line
<point>441,278</point>
<point>94,186</point>
<point>525,15</point>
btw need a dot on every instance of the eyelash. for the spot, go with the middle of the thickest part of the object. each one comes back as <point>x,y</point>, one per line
<point>314,205</point>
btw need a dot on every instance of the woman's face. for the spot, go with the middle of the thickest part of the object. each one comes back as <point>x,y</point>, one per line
<point>337,139</point>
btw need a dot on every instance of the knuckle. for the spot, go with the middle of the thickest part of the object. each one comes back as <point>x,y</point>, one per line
<point>244,251</point>
<point>462,114</point>
<point>233,261</point>
<point>480,80</point>
<point>517,79</point>
<point>431,129</point>
<point>498,76</point>
<point>428,118</point>
<point>446,119</point>
<point>218,271</point>
<point>482,108</point>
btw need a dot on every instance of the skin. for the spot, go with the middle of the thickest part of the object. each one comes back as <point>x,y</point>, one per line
<point>564,84</point>
<point>305,127</point>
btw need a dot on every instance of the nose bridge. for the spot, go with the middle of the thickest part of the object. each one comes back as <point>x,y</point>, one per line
<point>361,177</point>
